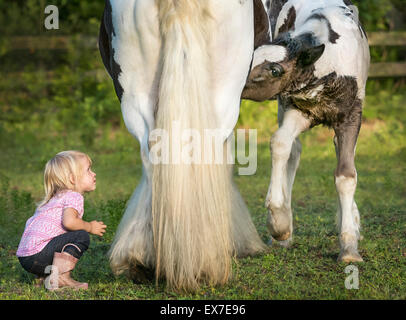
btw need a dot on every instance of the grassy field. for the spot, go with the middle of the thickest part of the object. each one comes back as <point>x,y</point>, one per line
<point>308,270</point>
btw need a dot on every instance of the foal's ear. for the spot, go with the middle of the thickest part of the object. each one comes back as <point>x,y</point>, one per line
<point>310,55</point>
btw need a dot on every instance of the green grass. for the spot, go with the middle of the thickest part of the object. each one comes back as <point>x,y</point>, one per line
<point>308,270</point>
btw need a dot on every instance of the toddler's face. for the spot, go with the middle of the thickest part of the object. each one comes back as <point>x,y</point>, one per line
<point>87,179</point>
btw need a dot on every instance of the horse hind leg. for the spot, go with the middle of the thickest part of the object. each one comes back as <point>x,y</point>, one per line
<point>245,238</point>
<point>132,250</point>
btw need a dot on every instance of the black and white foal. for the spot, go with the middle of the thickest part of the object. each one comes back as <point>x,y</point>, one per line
<point>317,64</point>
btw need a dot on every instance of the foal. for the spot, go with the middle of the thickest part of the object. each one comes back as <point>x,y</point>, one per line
<point>317,65</point>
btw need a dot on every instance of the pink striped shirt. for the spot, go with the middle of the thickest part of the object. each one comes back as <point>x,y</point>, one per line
<point>46,223</point>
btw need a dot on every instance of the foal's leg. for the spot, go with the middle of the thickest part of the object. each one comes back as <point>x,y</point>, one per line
<point>355,212</point>
<point>285,151</point>
<point>346,182</point>
<point>295,153</point>
<point>293,164</point>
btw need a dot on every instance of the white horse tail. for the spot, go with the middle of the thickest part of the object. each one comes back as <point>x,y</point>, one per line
<point>191,206</point>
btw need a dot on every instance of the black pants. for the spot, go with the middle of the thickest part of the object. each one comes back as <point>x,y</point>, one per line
<point>72,241</point>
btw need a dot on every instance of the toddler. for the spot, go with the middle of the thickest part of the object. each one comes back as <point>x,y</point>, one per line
<point>56,235</point>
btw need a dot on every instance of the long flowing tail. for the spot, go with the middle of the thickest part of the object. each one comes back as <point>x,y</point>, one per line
<point>191,203</point>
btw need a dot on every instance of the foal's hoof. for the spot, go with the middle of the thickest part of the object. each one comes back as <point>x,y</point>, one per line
<point>282,237</point>
<point>348,256</point>
<point>284,243</point>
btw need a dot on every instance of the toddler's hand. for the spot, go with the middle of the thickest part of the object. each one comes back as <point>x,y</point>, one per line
<point>97,228</point>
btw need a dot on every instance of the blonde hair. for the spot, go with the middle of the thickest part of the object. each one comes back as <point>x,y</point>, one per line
<point>58,170</point>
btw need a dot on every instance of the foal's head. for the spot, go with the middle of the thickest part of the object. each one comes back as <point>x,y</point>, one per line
<point>276,65</point>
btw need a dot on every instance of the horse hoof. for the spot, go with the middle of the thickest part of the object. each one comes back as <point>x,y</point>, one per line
<point>349,256</point>
<point>283,237</point>
<point>285,243</point>
<point>141,274</point>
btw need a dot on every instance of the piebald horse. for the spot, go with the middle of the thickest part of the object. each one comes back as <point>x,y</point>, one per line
<point>185,61</point>
<point>317,66</point>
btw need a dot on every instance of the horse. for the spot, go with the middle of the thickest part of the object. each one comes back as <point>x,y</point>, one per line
<point>183,62</point>
<point>317,65</point>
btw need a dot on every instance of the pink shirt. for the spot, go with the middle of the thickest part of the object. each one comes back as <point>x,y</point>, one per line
<point>46,223</point>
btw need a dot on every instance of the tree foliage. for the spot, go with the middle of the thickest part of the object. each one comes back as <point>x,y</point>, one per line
<point>60,87</point>
<point>26,17</point>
